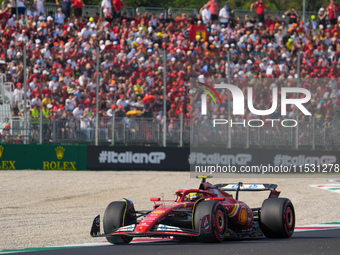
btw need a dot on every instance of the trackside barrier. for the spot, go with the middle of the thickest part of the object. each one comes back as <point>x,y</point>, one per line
<point>82,157</point>
<point>137,158</point>
<point>149,10</point>
<point>182,159</point>
<point>43,157</point>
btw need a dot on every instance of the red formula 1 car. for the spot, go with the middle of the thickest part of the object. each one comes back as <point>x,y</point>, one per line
<point>207,214</point>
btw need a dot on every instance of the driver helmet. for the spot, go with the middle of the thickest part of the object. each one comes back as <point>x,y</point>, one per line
<point>195,195</point>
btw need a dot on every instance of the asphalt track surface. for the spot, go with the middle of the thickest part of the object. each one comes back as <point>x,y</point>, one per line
<point>310,242</point>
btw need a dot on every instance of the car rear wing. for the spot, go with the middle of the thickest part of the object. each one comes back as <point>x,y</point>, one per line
<point>245,187</point>
<point>248,187</point>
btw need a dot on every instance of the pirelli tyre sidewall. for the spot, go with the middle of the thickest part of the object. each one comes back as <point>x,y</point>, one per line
<point>118,214</point>
<point>210,219</point>
<point>277,218</point>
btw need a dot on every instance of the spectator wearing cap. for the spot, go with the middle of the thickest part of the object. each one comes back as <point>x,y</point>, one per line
<point>292,15</point>
<point>260,6</point>
<point>86,31</point>
<point>270,68</point>
<point>46,53</point>
<point>83,77</point>
<point>331,10</point>
<point>78,93</point>
<point>289,44</point>
<point>65,7</point>
<point>78,8</point>
<point>93,30</point>
<point>53,84</point>
<point>11,21</point>
<point>269,22</point>
<point>150,78</point>
<point>121,101</point>
<point>322,15</point>
<point>32,12</point>
<point>162,19</point>
<point>59,17</point>
<point>206,15</point>
<point>18,93</point>
<point>22,20</point>
<point>224,16</point>
<point>254,36</point>
<point>67,79</point>
<point>312,23</point>
<point>40,6</point>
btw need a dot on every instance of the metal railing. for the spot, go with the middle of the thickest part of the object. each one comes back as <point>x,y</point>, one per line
<point>50,7</point>
<point>311,134</point>
<point>130,11</point>
<point>149,10</point>
<point>141,131</point>
<point>241,12</point>
<point>175,12</point>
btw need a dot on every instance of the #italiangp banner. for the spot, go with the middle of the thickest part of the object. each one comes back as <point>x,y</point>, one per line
<point>43,157</point>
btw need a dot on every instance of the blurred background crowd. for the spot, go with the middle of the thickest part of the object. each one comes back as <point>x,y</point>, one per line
<point>61,55</point>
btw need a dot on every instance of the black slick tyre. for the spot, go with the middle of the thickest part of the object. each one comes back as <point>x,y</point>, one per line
<point>277,218</point>
<point>117,214</point>
<point>210,219</point>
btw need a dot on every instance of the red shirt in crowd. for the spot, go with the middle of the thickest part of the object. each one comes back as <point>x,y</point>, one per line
<point>118,4</point>
<point>213,7</point>
<point>331,8</point>
<point>260,7</point>
<point>47,91</point>
<point>78,4</point>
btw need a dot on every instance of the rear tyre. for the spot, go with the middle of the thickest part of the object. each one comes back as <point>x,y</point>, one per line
<point>210,219</point>
<point>277,218</point>
<point>116,215</point>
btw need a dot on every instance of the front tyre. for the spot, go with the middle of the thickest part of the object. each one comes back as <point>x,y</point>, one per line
<point>118,214</point>
<point>210,219</point>
<point>277,218</point>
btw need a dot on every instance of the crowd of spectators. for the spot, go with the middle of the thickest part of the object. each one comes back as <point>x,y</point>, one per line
<point>61,55</point>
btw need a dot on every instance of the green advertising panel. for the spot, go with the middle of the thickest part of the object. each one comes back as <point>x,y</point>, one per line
<point>43,157</point>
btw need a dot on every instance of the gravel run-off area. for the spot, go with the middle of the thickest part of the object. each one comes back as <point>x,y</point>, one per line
<point>49,208</point>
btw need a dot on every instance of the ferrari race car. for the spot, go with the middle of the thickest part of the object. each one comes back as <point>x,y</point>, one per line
<point>207,214</point>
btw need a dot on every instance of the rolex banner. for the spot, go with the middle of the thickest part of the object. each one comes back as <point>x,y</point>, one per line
<point>43,157</point>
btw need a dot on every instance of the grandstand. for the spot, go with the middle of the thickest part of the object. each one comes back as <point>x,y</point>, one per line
<point>61,73</point>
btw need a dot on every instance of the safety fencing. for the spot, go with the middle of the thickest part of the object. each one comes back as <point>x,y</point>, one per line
<point>175,12</point>
<point>310,135</point>
<point>53,8</point>
<point>242,12</point>
<point>137,130</point>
